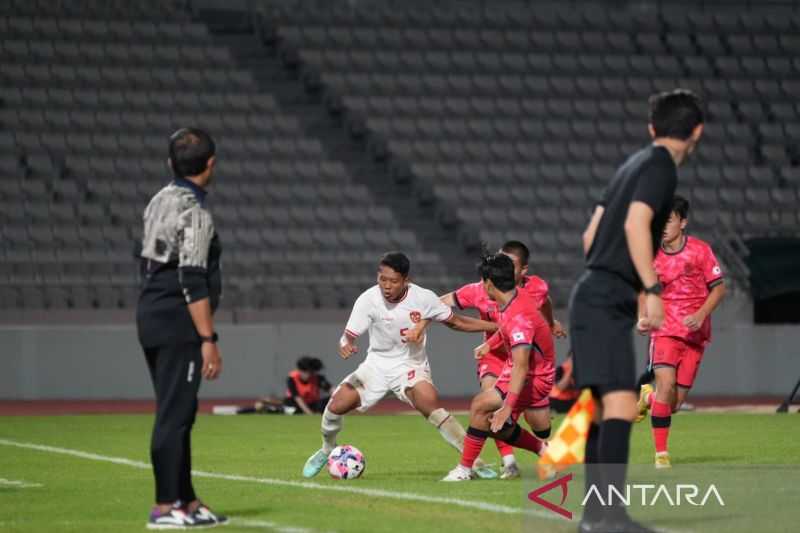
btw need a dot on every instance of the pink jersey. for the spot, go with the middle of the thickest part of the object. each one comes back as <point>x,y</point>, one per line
<point>521,323</point>
<point>473,296</point>
<point>688,276</point>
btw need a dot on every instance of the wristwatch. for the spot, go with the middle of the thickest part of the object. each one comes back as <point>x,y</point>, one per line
<point>212,339</point>
<point>656,288</point>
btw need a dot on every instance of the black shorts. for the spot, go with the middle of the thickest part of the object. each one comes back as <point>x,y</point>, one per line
<point>602,315</point>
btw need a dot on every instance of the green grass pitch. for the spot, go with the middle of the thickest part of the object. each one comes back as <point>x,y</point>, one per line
<point>404,455</point>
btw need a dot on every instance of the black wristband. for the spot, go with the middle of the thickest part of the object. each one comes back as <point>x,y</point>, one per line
<point>656,288</point>
<point>212,339</point>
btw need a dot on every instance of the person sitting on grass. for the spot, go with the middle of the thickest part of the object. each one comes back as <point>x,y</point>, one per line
<point>305,386</point>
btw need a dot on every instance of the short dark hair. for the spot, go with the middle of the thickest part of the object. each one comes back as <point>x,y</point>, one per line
<point>518,249</point>
<point>499,268</point>
<point>189,151</point>
<point>309,364</point>
<point>675,113</point>
<point>397,261</point>
<point>680,206</point>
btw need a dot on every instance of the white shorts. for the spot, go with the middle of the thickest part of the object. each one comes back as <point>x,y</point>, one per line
<point>374,378</point>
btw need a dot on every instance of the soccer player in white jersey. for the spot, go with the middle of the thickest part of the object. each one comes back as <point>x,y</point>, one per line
<point>394,362</point>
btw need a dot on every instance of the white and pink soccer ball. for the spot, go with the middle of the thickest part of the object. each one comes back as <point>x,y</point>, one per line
<point>346,462</point>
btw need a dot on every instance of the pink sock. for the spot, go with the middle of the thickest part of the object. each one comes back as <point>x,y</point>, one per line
<point>661,419</point>
<point>504,448</point>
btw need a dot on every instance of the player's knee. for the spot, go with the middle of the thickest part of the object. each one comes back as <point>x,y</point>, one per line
<point>479,404</point>
<point>335,407</point>
<point>509,433</point>
<point>542,434</point>
<point>487,383</point>
<point>338,405</point>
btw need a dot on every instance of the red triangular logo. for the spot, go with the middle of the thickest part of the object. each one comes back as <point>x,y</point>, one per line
<point>560,482</point>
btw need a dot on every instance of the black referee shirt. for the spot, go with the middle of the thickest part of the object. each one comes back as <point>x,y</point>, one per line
<point>648,176</point>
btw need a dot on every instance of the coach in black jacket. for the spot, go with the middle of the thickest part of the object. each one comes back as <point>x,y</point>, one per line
<point>180,292</point>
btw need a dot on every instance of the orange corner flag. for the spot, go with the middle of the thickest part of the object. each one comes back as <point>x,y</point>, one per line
<point>569,443</point>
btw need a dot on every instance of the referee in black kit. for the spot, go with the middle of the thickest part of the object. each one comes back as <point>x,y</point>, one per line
<point>180,290</point>
<point>624,231</point>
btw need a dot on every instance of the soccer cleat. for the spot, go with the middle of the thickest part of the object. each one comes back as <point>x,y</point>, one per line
<point>662,460</point>
<point>175,518</point>
<point>315,463</point>
<point>206,516</point>
<point>643,404</point>
<point>482,470</point>
<point>459,473</point>
<point>510,471</point>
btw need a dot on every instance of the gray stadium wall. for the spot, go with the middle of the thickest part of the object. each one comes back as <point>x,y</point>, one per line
<point>103,361</point>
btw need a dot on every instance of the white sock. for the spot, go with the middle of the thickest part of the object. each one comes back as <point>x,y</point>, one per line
<point>449,428</point>
<point>464,469</point>
<point>331,426</point>
<point>509,460</point>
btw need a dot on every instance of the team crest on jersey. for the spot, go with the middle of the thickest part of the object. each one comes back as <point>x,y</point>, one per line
<point>416,316</point>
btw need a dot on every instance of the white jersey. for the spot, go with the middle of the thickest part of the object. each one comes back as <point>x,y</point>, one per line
<point>388,322</point>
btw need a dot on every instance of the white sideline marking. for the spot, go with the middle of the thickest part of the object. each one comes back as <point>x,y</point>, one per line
<point>379,493</point>
<point>18,484</point>
<point>409,496</point>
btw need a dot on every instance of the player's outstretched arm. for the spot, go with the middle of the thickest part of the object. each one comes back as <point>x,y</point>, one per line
<point>696,319</point>
<point>495,342</point>
<point>417,333</point>
<point>469,325</point>
<point>448,299</point>
<point>555,326</point>
<point>520,355</point>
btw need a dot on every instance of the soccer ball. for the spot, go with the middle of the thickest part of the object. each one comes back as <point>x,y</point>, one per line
<point>346,462</point>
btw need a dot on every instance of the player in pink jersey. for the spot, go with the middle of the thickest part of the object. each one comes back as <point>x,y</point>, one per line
<point>490,366</point>
<point>692,288</point>
<point>527,376</point>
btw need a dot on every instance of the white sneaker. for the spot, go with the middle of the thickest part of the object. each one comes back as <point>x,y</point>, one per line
<point>510,471</point>
<point>175,518</point>
<point>459,473</point>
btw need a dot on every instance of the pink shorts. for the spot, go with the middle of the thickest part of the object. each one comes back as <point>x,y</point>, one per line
<point>683,356</point>
<point>535,393</point>
<point>490,365</point>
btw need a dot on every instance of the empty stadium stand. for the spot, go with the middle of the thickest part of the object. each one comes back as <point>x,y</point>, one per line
<point>348,128</point>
